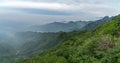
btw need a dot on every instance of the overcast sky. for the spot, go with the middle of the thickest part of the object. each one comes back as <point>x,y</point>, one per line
<point>45,11</point>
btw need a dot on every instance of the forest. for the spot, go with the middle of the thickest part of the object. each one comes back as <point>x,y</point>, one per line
<point>101,45</point>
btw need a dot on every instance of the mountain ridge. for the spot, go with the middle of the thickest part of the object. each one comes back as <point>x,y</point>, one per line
<point>70,26</point>
<point>97,46</point>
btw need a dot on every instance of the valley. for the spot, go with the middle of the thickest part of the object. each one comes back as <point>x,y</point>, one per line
<point>22,45</point>
<point>100,45</point>
<point>59,31</point>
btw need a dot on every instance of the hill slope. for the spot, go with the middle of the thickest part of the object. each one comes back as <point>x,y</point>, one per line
<point>101,45</point>
<point>97,23</point>
<point>35,42</point>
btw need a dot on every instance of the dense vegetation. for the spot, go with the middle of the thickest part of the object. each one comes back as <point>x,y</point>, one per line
<point>101,45</point>
<point>36,42</point>
<point>29,44</point>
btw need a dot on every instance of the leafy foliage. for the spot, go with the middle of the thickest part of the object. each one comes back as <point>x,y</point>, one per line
<point>101,45</point>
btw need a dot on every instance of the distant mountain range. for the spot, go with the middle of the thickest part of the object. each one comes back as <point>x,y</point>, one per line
<point>51,27</point>
<point>59,26</point>
<point>101,45</point>
<point>69,26</point>
<point>30,40</point>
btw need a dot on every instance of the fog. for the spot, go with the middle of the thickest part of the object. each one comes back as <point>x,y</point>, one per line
<point>8,32</point>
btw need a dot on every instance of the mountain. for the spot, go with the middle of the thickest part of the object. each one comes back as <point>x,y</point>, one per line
<point>40,41</point>
<point>101,45</point>
<point>14,26</point>
<point>97,23</point>
<point>69,26</point>
<point>21,45</point>
<point>59,26</point>
<point>34,42</point>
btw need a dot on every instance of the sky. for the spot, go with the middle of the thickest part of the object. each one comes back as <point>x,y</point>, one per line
<point>46,11</point>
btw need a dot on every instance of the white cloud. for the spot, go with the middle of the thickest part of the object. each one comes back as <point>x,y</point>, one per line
<point>81,9</point>
<point>91,8</point>
<point>36,5</point>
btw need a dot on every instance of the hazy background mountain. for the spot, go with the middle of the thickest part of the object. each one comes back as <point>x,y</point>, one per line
<point>100,45</point>
<point>59,26</point>
<point>96,23</point>
<point>11,26</point>
<point>28,27</point>
<point>69,26</point>
<point>20,40</point>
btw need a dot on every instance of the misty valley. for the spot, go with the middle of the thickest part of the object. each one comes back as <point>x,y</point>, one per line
<point>24,43</point>
<point>18,44</point>
<point>59,31</point>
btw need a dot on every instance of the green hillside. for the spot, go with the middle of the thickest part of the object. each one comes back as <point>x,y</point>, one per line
<point>36,42</point>
<point>95,24</point>
<point>101,45</point>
